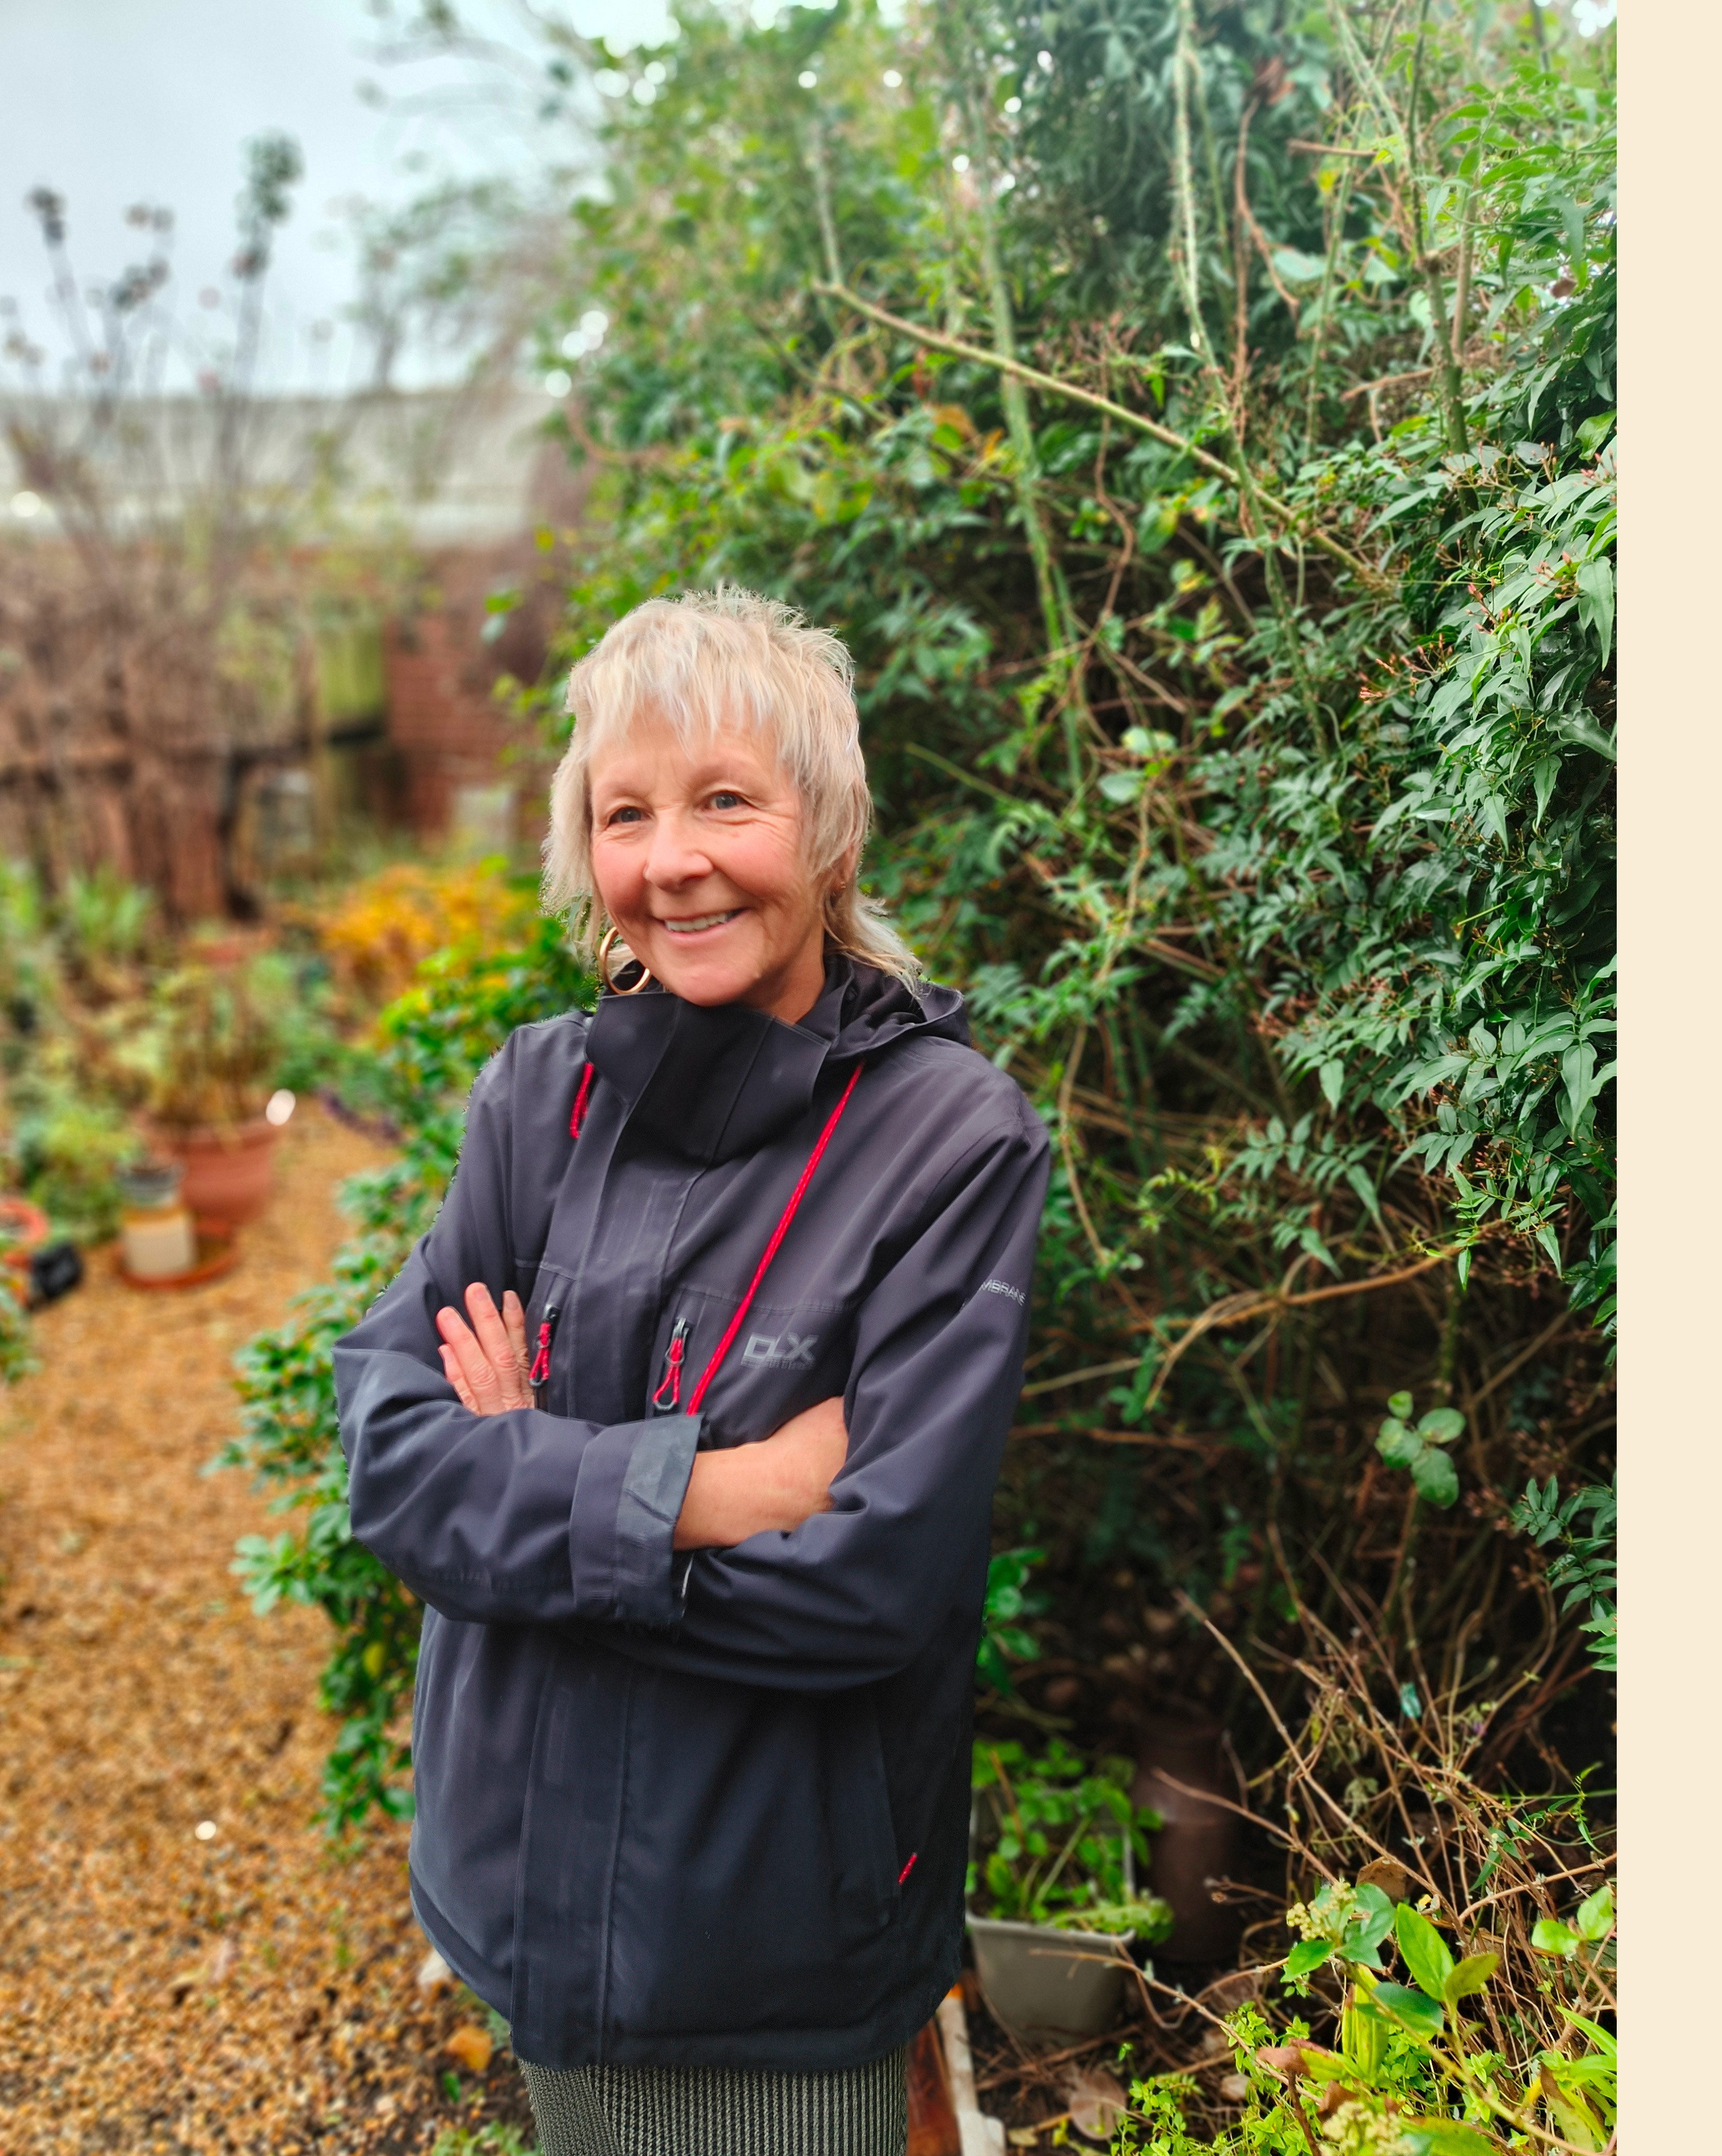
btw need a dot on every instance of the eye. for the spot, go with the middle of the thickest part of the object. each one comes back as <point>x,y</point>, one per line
<point>625,815</point>
<point>726,798</point>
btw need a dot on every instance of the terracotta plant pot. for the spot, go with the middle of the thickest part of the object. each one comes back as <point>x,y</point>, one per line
<point>228,1173</point>
<point>933,2128</point>
<point>1044,1984</point>
<point>26,1226</point>
<point>1178,1759</point>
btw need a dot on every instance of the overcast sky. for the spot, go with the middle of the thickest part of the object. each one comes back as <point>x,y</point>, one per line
<point>112,102</point>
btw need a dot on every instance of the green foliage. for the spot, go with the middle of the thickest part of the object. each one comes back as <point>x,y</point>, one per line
<point>17,1355</point>
<point>494,2139</point>
<point>214,1041</point>
<point>1419,1448</point>
<point>431,1044</point>
<point>1060,1841</point>
<point>104,919</point>
<point>1350,1921</point>
<point>1009,1598</point>
<point>69,978</point>
<point>68,1144</point>
<point>1583,1571</point>
<point>1413,2071</point>
<point>1592,1924</point>
<point>1281,874</point>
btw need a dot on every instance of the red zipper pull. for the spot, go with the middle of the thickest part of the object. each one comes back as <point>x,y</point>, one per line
<point>538,1376</point>
<point>668,1398</point>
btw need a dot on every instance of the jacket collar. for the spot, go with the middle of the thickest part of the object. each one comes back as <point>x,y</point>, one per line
<point>708,1082</point>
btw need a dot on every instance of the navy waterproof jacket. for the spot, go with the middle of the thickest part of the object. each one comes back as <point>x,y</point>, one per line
<point>708,1809</point>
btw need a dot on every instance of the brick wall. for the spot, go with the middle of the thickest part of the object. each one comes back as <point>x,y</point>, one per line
<point>443,724</point>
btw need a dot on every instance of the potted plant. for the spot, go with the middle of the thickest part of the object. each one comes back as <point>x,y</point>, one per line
<point>216,1036</point>
<point>1054,1908</point>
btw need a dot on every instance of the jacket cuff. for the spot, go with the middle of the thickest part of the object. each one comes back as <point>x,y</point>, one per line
<point>628,1493</point>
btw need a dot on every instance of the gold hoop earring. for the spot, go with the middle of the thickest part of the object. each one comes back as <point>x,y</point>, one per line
<point>612,936</point>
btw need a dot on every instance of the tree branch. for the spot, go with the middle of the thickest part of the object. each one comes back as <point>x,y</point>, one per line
<point>1297,520</point>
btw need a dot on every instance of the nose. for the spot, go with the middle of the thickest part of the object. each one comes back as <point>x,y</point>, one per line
<point>674,859</point>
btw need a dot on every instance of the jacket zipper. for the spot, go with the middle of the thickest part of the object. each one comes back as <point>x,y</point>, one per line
<point>538,1376</point>
<point>668,1398</point>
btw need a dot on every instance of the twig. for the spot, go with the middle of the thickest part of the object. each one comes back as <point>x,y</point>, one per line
<point>1519,1361</point>
<point>1385,382</point>
<point>1171,1440</point>
<point>1248,1303</point>
<point>600,452</point>
<point>1076,1377</point>
<point>1042,2059</point>
<point>1299,520</point>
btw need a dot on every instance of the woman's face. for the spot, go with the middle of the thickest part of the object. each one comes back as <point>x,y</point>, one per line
<point>696,850</point>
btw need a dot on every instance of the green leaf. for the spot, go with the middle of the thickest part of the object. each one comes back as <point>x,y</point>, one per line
<point>1550,1935</point>
<point>1307,1955</point>
<point>1470,1975</point>
<point>1371,1924</point>
<point>1575,726</point>
<point>1445,2137</point>
<point>1596,1914</point>
<point>1297,268</point>
<point>1398,1446</point>
<point>1594,433</point>
<point>1572,225</point>
<point>1401,1406</point>
<point>1442,1425</point>
<point>1422,2017</point>
<point>1437,1478</point>
<point>1359,1180</point>
<point>1122,786</point>
<point>1333,1081</point>
<point>1425,1951</point>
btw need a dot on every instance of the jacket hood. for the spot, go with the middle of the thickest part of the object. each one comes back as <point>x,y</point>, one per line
<point>709,1081</point>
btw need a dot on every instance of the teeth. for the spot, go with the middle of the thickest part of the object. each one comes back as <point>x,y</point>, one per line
<point>702,921</point>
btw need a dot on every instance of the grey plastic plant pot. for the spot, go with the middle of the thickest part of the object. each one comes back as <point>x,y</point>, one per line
<point>1041,1982</point>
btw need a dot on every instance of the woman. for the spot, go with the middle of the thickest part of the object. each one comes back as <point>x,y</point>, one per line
<point>682,1421</point>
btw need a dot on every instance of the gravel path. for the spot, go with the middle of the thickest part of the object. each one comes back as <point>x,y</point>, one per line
<point>164,1987</point>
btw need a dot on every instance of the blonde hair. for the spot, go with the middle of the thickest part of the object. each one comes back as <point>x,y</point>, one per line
<point>711,657</point>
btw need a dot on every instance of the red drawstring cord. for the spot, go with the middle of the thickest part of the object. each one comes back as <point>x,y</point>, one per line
<point>672,1378</point>
<point>539,1373</point>
<point>778,1235</point>
<point>581,1091</point>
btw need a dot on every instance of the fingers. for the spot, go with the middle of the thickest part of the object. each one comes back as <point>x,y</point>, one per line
<point>502,1345</point>
<point>456,1378</point>
<point>513,1323</point>
<point>486,1360</point>
<point>478,1377</point>
<point>493,1334</point>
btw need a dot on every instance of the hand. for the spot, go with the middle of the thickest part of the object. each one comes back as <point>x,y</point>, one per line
<point>779,1482</point>
<point>487,1361</point>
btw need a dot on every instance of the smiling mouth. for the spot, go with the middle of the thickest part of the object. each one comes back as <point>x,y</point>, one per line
<point>698,922</point>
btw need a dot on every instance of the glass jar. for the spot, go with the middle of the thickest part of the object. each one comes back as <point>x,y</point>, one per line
<point>158,1235</point>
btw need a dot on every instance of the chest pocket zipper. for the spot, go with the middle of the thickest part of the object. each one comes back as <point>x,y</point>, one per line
<point>668,1398</point>
<point>538,1376</point>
